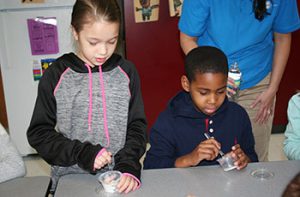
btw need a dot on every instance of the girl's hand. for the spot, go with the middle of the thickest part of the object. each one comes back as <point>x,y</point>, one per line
<point>264,102</point>
<point>127,184</point>
<point>102,159</point>
<point>241,158</point>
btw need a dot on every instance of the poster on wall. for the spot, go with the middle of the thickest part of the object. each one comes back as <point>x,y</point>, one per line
<point>146,10</point>
<point>175,7</point>
<point>36,70</point>
<point>43,35</point>
<point>33,1</point>
<point>39,67</point>
<point>45,63</point>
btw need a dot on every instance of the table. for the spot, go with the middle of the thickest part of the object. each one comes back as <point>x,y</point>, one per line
<point>197,181</point>
<point>36,186</point>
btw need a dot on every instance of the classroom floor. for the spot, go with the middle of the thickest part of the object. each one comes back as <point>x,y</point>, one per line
<point>38,167</point>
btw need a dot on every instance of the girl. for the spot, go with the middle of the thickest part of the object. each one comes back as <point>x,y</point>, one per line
<point>257,35</point>
<point>89,110</point>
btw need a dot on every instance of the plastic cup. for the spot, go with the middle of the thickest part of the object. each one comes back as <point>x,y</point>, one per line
<point>110,180</point>
<point>262,174</point>
<point>227,162</point>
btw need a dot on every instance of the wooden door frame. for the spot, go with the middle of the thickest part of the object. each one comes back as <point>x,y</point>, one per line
<point>3,114</point>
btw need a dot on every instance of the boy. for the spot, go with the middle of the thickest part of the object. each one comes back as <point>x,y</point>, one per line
<point>177,138</point>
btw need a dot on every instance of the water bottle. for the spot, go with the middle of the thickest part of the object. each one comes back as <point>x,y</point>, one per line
<point>234,81</point>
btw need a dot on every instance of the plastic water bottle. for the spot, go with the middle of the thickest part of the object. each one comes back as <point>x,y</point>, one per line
<point>234,81</point>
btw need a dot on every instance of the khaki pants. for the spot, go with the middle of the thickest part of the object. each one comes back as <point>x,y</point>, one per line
<point>261,132</point>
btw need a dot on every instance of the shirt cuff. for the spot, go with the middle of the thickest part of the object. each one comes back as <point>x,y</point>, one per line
<point>136,179</point>
<point>99,154</point>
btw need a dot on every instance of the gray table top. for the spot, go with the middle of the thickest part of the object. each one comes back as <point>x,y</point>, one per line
<point>26,187</point>
<point>198,181</point>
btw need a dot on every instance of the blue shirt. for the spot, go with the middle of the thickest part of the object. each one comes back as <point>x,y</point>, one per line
<point>180,129</point>
<point>231,26</point>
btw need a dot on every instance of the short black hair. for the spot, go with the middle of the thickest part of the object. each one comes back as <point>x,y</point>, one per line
<point>205,59</point>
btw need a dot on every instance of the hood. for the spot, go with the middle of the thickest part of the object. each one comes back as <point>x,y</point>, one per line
<point>75,63</point>
<point>182,105</point>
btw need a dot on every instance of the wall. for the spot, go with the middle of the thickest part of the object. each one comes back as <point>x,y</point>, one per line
<point>17,62</point>
<point>154,48</point>
<point>3,115</point>
<point>290,81</point>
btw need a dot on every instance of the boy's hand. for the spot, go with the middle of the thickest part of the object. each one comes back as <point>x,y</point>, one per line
<point>241,158</point>
<point>102,160</point>
<point>208,149</point>
<point>127,184</point>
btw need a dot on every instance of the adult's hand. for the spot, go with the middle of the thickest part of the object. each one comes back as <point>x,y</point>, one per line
<point>265,105</point>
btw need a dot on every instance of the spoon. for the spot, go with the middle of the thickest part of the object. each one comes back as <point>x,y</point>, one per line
<point>112,163</point>
<point>208,137</point>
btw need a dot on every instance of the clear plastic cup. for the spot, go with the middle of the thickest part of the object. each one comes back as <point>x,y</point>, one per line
<point>262,174</point>
<point>227,162</point>
<point>110,180</point>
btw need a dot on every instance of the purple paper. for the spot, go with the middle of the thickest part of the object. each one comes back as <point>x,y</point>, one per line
<point>43,35</point>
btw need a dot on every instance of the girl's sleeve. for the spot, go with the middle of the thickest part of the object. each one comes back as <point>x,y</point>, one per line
<point>287,19</point>
<point>194,17</point>
<point>53,147</point>
<point>291,143</point>
<point>128,158</point>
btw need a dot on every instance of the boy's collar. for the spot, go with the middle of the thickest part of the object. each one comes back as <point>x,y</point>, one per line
<point>187,108</point>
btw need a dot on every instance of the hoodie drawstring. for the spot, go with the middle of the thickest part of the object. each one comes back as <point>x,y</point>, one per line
<point>90,98</point>
<point>206,125</point>
<point>103,102</point>
<point>104,105</point>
